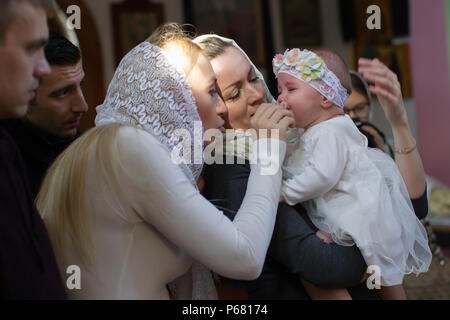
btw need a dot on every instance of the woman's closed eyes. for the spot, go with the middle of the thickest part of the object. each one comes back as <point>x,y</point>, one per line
<point>236,94</point>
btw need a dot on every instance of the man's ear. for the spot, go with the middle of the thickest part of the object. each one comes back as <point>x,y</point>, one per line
<point>325,103</point>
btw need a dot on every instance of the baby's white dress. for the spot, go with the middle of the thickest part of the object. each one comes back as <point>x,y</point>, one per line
<point>357,194</point>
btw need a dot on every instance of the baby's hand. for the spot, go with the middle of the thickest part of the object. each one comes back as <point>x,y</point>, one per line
<point>326,237</point>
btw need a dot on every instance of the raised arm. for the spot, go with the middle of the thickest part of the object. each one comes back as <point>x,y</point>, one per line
<point>386,86</point>
<point>162,195</point>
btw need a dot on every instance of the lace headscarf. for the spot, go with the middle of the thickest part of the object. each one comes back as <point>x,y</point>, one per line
<point>153,94</point>
<point>241,145</point>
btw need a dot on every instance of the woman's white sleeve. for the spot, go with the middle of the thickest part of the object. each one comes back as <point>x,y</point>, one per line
<point>321,172</point>
<point>163,196</point>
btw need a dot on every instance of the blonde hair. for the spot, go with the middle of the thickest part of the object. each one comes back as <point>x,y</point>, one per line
<point>178,45</point>
<point>62,198</point>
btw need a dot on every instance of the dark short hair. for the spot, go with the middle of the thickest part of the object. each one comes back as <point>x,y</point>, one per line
<point>61,52</point>
<point>8,13</point>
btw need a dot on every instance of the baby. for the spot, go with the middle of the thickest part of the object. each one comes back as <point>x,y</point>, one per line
<point>352,193</point>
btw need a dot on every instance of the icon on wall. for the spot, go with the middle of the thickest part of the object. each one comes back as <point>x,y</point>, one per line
<point>241,20</point>
<point>133,21</point>
<point>301,23</point>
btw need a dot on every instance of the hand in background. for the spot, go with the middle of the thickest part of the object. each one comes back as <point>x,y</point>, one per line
<point>385,85</point>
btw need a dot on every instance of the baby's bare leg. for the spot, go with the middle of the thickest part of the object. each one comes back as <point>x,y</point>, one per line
<point>393,293</point>
<point>326,237</point>
<point>316,293</point>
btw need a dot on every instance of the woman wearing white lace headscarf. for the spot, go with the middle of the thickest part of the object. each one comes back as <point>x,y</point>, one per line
<point>118,206</point>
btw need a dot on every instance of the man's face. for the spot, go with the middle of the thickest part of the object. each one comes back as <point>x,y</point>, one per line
<point>59,102</point>
<point>22,60</point>
<point>357,106</point>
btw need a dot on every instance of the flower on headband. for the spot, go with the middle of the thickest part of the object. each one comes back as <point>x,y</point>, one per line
<point>277,60</point>
<point>307,66</point>
<point>312,67</point>
<point>292,57</point>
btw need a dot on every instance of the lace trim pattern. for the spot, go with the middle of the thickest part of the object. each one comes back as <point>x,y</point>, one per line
<point>151,93</point>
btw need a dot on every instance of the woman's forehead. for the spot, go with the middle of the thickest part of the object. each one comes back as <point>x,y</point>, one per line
<point>231,66</point>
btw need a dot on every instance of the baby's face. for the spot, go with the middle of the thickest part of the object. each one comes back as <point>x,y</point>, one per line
<point>303,100</point>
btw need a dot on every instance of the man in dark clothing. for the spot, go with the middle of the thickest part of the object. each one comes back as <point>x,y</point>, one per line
<point>54,114</point>
<point>37,149</point>
<point>28,269</point>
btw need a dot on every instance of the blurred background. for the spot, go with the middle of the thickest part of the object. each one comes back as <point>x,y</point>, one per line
<point>414,41</point>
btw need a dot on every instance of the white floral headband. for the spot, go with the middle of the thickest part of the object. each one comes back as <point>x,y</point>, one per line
<point>310,68</point>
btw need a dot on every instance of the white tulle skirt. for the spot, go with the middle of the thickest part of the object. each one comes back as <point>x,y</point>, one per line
<point>370,206</point>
